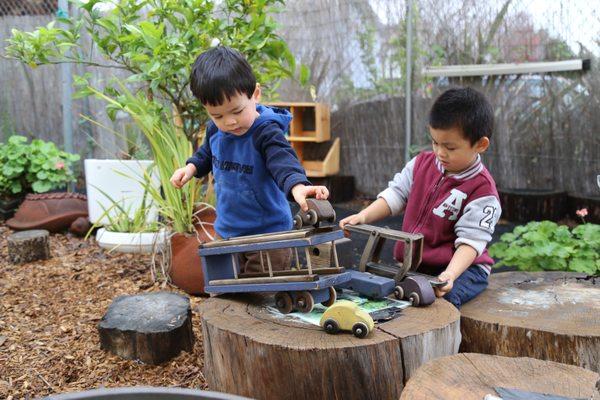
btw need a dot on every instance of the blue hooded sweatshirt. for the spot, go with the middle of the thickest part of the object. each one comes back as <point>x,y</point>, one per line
<point>254,174</point>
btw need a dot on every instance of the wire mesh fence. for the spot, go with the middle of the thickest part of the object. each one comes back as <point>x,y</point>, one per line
<point>546,123</point>
<point>27,7</point>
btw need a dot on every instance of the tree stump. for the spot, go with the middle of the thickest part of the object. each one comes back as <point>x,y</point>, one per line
<point>27,246</point>
<point>547,315</point>
<point>150,327</point>
<point>469,376</point>
<point>524,205</point>
<point>251,352</point>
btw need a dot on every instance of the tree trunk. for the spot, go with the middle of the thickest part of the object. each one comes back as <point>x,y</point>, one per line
<point>27,246</point>
<point>547,315</point>
<point>469,376</point>
<point>150,327</point>
<point>252,352</point>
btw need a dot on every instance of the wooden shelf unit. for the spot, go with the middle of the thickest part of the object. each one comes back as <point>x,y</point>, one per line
<point>330,165</point>
<point>310,121</point>
<point>310,136</point>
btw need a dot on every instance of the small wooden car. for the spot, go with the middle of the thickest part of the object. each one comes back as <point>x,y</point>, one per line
<point>347,316</point>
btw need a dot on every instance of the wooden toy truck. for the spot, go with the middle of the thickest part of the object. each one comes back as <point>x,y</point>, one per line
<point>297,289</point>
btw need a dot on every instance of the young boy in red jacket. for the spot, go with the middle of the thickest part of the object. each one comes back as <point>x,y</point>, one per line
<point>448,196</point>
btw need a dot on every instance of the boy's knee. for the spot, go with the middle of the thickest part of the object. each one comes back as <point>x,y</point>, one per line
<point>454,298</point>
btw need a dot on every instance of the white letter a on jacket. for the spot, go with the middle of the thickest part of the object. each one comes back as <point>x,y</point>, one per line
<point>452,203</point>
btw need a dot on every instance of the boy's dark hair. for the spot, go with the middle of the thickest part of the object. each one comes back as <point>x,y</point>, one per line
<point>464,108</point>
<point>221,73</point>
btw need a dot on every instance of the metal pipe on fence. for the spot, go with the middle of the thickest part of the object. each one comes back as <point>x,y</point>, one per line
<point>67,84</point>
<point>408,103</point>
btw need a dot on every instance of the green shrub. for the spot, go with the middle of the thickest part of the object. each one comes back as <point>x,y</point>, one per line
<point>545,245</point>
<point>37,167</point>
<point>14,162</point>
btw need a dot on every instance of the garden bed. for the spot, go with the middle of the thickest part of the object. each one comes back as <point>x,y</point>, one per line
<point>48,316</point>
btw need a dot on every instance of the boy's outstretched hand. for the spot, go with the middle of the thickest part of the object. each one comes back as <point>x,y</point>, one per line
<point>181,176</point>
<point>300,192</point>
<point>354,219</point>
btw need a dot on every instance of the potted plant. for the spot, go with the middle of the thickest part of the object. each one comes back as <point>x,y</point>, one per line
<point>109,181</point>
<point>36,167</point>
<point>186,211</point>
<point>128,229</point>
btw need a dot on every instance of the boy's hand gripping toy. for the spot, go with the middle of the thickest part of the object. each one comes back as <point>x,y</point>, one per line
<point>410,285</point>
<point>318,211</point>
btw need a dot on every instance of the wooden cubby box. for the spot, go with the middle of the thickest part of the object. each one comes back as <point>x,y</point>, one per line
<point>319,159</point>
<point>310,121</point>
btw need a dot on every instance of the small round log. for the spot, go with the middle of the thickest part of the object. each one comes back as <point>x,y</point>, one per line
<point>546,315</point>
<point>28,246</point>
<point>150,327</point>
<point>251,352</point>
<point>470,376</point>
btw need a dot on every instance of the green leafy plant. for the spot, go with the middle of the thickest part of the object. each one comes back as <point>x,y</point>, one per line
<point>122,218</point>
<point>38,166</point>
<point>546,245</point>
<point>49,167</point>
<point>157,42</point>
<point>14,162</point>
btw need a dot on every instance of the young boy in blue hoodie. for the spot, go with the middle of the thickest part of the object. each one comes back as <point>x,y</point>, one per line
<point>255,169</point>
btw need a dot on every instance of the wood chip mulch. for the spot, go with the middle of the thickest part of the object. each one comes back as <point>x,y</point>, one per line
<point>49,311</point>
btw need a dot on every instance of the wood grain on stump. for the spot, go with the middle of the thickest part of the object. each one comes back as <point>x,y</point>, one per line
<point>251,352</point>
<point>468,376</point>
<point>547,315</point>
<point>150,327</point>
<point>27,246</point>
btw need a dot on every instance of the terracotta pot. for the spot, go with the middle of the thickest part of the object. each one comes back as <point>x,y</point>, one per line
<point>186,268</point>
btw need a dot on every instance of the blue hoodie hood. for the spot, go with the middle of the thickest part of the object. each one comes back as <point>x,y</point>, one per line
<point>280,116</point>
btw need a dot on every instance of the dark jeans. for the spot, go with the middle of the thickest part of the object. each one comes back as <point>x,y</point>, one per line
<point>466,287</point>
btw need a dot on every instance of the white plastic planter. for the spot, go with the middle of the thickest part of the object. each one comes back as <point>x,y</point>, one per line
<point>119,179</point>
<point>126,242</point>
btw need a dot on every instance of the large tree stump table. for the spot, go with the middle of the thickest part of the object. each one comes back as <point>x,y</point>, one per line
<point>251,352</point>
<point>547,315</point>
<point>470,376</point>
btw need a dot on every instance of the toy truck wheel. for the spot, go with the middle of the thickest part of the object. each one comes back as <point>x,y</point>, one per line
<point>332,298</point>
<point>304,302</point>
<point>331,326</point>
<point>360,330</point>
<point>415,299</point>
<point>399,292</point>
<point>297,221</point>
<point>312,217</point>
<point>284,302</point>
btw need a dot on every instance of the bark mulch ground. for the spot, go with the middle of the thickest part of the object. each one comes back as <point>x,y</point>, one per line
<point>49,311</point>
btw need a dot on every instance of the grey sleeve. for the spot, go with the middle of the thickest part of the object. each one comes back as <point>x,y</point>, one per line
<point>477,222</point>
<point>396,195</point>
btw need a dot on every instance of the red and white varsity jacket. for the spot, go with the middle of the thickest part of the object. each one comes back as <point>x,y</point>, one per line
<point>448,210</point>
